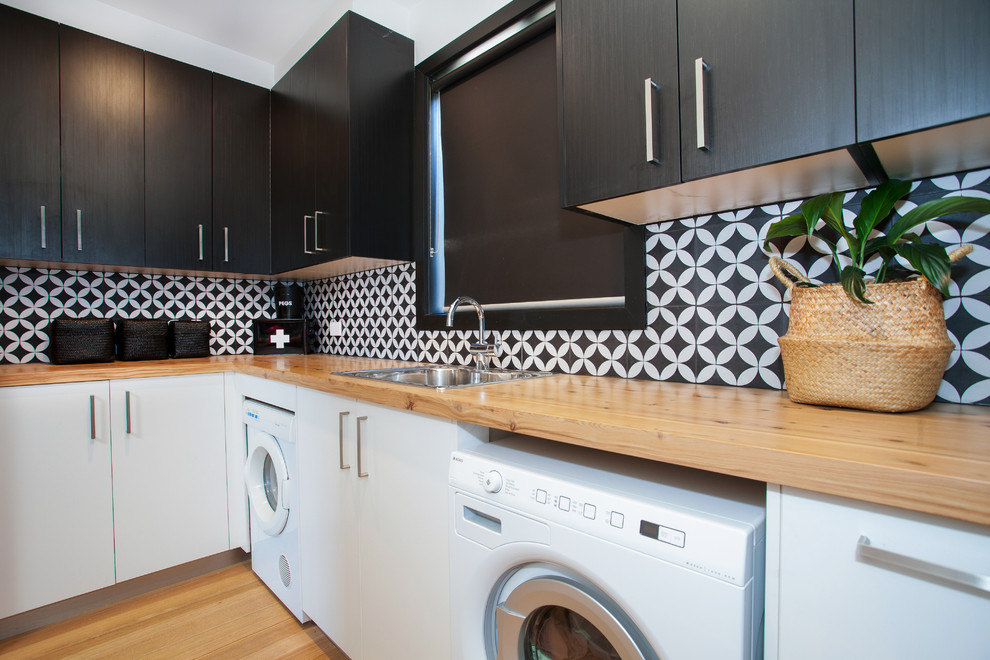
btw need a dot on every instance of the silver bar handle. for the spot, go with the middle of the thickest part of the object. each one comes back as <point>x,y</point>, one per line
<point>361,472</point>
<point>650,87</point>
<point>887,559</point>
<point>700,67</point>
<point>200,242</point>
<point>306,249</point>
<point>79,230</point>
<point>127,412</point>
<point>341,441</point>
<point>44,233</point>
<point>316,231</point>
<point>92,417</point>
<point>226,245</point>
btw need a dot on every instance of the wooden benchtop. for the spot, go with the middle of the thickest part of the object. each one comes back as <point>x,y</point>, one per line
<point>936,460</point>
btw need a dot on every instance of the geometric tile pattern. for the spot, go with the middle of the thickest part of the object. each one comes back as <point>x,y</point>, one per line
<point>714,309</point>
<point>32,297</point>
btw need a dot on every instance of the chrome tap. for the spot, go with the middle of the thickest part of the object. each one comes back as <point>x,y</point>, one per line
<point>482,351</point>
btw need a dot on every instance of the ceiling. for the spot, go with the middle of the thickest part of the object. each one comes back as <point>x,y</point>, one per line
<point>263,29</point>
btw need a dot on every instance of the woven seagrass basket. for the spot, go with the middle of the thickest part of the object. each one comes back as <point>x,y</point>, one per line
<point>889,356</point>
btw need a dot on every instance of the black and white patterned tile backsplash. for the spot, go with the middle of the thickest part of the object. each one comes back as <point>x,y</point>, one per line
<point>33,296</point>
<point>714,309</point>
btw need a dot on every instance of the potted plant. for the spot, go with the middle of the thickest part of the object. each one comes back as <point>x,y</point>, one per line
<point>880,343</point>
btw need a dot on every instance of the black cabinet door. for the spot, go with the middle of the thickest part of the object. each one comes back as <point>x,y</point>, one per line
<point>29,147</point>
<point>619,98</point>
<point>920,64</point>
<point>241,238</point>
<point>775,77</point>
<point>292,155</point>
<point>178,125</point>
<point>102,143</point>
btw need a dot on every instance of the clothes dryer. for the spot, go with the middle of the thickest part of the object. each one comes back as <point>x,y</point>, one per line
<point>270,475</point>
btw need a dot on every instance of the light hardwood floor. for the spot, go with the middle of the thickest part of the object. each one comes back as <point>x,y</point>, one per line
<point>228,613</point>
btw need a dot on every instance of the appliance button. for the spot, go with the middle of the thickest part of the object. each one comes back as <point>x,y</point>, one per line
<point>564,503</point>
<point>541,496</point>
<point>589,511</point>
<point>493,481</point>
<point>616,519</point>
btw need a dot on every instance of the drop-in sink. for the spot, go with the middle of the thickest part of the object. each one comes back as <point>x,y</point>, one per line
<point>442,377</point>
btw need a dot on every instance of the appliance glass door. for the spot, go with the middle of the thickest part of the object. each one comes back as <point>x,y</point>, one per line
<point>266,478</point>
<point>542,611</point>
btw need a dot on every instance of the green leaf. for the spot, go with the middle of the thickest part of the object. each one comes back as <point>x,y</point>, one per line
<point>813,209</point>
<point>854,284</point>
<point>930,260</point>
<point>935,208</point>
<point>833,218</point>
<point>877,206</point>
<point>790,226</point>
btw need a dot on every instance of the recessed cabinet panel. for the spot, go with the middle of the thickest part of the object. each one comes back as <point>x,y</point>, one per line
<point>102,141</point>
<point>763,81</point>
<point>619,97</point>
<point>241,238</point>
<point>178,126</point>
<point>30,209</point>
<point>920,64</point>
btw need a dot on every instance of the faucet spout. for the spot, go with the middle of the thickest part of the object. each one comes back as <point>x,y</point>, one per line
<point>482,351</point>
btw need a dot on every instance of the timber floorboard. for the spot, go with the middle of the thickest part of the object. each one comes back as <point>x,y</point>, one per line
<point>228,613</point>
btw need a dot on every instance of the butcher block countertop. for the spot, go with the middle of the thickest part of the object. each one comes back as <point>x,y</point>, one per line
<point>936,460</point>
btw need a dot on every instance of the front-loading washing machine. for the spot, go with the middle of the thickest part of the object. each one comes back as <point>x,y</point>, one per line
<point>270,475</point>
<point>565,552</point>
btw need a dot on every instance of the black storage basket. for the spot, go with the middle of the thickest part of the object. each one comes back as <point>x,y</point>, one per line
<point>188,339</point>
<point>142,339</point>
<point>77,341</point>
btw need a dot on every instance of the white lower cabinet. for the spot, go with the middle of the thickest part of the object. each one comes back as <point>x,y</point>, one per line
<point>106,481</point>
<point>374,525</point>
<point>169,471</point>
<point>857,580</point>
<point>57,512</point>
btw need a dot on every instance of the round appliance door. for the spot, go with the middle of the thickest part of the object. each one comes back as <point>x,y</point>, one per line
<point>543,611</point>
<point>266,478</point>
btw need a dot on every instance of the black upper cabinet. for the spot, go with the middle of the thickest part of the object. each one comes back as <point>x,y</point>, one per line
<point>29,149</point>
<point>775,78</point>
<point>240,176</point>
<point>920,64</point>
<point>102,141</point>
<point>177,166</point>
<point>619,98</point>
<point>341,149</point>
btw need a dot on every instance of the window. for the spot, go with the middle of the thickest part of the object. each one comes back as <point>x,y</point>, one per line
<point>492,225</point>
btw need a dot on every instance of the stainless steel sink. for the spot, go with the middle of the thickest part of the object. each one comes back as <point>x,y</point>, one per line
<point>443,377</point>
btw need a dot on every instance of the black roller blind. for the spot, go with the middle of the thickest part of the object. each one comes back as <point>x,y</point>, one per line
<point>505,237</point>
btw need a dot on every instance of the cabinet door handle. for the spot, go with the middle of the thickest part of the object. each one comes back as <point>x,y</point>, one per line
<point>341,441</point>
<point>361,472</point>
<point>127,412</point>
<point>226,245</point>
<point>652,153</point>
<point>92,417</point>
<point>79,230</point>
<point>44,233</point>
<point>316,231</point>
<point>200,242</point>
<point>700,67</point>
<point>886,559</point>
<point>306,249</point>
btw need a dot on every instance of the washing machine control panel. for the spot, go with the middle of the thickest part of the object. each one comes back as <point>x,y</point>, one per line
<point>274,421</point>
<point>664,530</point>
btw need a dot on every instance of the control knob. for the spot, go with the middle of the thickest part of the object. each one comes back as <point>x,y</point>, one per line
<point>493,481</point>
